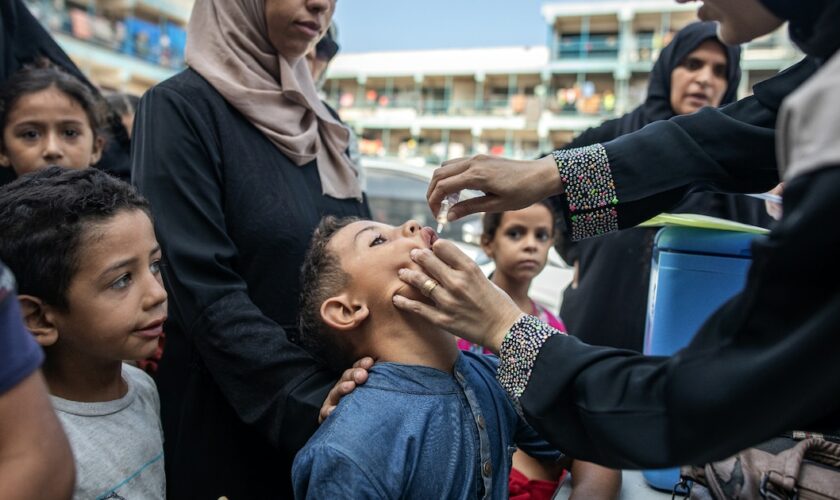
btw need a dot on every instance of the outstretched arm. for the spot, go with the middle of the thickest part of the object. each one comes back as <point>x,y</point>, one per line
<point>618,184</point>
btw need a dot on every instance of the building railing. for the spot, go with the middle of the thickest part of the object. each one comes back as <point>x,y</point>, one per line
<point>645,46</point>
<point>518,105</point>
<point>158,43</point>
<point>595,47</point>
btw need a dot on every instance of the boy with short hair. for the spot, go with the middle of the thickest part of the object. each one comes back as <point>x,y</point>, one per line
<point>431,421</point>
<point>83,249</point>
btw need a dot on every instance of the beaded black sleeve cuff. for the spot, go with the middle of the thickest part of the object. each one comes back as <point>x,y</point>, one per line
<point>590,190</point>
<point>518,353</point>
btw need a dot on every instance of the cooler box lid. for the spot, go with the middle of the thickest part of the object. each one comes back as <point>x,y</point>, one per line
<point>705,241</point>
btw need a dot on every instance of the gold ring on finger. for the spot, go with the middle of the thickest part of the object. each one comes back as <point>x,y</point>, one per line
<point>429,286</point>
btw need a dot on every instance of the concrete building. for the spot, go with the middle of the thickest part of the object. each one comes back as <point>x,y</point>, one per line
<point>433,104</point>
<point>126,45</point>
<point>519,101</point>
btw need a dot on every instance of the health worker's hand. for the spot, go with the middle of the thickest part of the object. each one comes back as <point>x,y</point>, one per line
<point>466,303</point>
<point>507,184</point>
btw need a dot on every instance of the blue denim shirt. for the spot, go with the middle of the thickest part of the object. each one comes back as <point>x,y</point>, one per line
<point>417,432</point>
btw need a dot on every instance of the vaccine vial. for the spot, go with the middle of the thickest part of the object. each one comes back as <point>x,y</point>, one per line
<point>443,213</point>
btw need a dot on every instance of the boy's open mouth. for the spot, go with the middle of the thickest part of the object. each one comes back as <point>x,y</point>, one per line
<point>429,236</point>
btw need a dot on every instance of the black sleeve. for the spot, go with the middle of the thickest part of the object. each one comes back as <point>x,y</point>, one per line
<point>764,363</point>
<point>657,166</point>
<point>566,248</point>
<point>630,179</point>
<point>271,383</point>
<point>602,133</point>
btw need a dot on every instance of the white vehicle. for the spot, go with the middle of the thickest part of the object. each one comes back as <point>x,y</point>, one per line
<point>396,192</point>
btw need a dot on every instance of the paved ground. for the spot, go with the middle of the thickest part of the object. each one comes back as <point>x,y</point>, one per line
<point>633,487</point>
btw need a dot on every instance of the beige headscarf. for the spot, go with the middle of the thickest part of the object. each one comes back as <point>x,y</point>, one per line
<point>228,45</point>
<point>808,127</point>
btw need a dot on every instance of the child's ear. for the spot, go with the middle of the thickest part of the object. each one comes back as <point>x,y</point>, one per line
<point>38,320</point>
<point>342,314</point>
<point>4,160</point>
<point>98,147</point>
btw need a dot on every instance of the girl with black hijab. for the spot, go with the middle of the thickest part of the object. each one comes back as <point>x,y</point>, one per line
<point>766,361</point>
<point>606,304</point>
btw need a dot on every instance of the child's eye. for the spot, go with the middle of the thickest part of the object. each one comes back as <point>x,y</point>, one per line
<point>122,282</point>
<point>377,240</point>
<point>514,234</point>
<point>154,267</point>
<point>543,235</point>
<point>28,134</point>
<point>72,133</point>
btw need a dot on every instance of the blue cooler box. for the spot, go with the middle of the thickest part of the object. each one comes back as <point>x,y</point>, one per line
<point>694,271</point>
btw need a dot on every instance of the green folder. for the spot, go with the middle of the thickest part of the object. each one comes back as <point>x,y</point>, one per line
<point>703,222</point>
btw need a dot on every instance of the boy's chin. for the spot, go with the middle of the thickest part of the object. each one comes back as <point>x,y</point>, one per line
<point>144,352</point>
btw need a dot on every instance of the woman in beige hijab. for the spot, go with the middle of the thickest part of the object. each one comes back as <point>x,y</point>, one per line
<point>240,160</point>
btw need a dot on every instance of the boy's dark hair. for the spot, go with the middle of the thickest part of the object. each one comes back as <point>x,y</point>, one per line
<point>35,79</point>
<point>321,278</point>
<point>491,221</point>
<point>44,218</point>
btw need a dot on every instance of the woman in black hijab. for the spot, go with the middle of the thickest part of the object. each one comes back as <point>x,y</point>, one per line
<point>763,363</point>
<point>606,303</point>
<point>658,102</point>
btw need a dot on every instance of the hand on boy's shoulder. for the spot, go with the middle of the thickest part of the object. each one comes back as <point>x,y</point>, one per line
<point>350,379</point>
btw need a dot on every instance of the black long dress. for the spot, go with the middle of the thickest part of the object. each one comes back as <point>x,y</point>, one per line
<point>607,305</point>
<point>234,217</point>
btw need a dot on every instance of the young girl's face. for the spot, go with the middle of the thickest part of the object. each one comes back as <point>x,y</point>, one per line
<point>46,128</point>
<point>521,243</point>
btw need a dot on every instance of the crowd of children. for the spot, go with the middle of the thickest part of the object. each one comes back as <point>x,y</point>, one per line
<point>82,246</point>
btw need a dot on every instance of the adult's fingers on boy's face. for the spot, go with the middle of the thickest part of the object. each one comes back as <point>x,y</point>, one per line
<point>421,309</point>
<point>452,256</point>
<point>419,280</point>
<point>432,266</point>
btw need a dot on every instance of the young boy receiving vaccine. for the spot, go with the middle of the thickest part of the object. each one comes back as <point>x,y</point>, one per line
<point>48,117</point>
<point>518,241</point>
<point>82,246</point>
<point>431,421</point>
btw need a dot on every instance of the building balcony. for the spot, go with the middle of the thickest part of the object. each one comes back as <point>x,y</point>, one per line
<point>114,46</point>
<point>522,113</point>
<point>592,47</point>
<point>113,69</point>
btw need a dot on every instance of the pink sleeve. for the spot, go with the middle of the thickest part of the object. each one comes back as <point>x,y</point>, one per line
<point>552,320</point>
